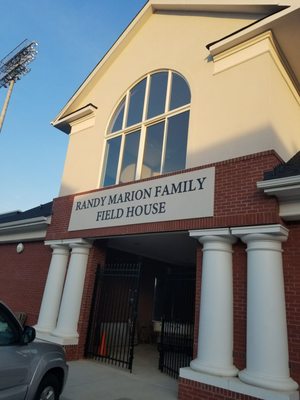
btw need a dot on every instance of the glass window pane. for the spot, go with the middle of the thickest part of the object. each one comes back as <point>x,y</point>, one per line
<point>175,155</point>
<point>158,91</point>
<point>136,103</point>
<point>7,332</point>
<point>112,159</point>
<point>130,155</point>
<point>117,120</point>
<point>180,93</point>
<point>153,149</point>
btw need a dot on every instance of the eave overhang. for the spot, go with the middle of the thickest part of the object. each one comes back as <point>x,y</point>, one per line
<point>221,6</point>
<point>285,28</point>
<point>24,230</point>
<point>287,191</point>
<point>65,123</point>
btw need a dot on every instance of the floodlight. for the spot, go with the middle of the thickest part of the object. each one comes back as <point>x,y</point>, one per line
<point>15,64</point>
<point>13,67</point>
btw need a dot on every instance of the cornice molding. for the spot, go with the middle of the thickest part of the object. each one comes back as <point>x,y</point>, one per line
<point>287,191</point>
<point>25,230</point>
<point>77,117</point>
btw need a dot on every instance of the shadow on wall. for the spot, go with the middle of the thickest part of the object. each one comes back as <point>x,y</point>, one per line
<point>263,139</point>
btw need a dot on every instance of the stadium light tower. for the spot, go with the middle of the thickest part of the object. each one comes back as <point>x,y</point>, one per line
<point>13,67</point>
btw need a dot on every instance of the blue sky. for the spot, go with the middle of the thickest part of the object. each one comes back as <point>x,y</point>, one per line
<point>73,35</point>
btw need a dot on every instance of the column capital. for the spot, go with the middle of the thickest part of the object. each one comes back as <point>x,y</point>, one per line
<point>222,235</point>
<point>80,245</point>
<point>271,231</point>
<point>69,242</point>
<point>59,248</point>
<point>210,232</point>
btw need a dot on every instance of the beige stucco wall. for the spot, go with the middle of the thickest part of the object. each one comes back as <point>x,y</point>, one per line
<point>242,110</point>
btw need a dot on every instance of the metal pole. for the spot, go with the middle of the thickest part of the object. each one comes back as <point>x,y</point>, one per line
<point>3,112</point>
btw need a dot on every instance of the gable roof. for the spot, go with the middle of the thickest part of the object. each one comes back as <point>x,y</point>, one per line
<point>281,16</point>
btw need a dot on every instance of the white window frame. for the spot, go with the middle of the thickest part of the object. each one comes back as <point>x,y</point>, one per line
<point>141,126</point>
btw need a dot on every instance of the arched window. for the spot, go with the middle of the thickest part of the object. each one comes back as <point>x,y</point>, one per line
<point>147,134</point>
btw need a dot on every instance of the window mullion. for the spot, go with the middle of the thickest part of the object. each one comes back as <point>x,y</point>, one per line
<point>104,163</point>
<point>126,110</point>
<point>140,158</point>
<point>163,152</point>
<point>120,158</point>
<point>146,99</point>
<point>168,94</point>
<point>139,165</point>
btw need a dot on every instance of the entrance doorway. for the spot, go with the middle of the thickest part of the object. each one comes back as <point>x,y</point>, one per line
<point>139,301</point>
<point>112,326</point>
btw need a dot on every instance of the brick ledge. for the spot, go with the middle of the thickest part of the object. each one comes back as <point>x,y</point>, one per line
<point>235,385</point>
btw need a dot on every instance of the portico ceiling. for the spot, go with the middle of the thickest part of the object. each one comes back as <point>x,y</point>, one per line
<point>173,248</point>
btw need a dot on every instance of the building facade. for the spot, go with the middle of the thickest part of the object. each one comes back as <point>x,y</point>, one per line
<point>177,221</point>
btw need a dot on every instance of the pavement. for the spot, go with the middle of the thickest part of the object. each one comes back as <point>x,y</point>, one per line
<point>94,380</point>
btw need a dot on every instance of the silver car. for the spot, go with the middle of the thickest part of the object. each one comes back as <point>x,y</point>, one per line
<point>29,370</point>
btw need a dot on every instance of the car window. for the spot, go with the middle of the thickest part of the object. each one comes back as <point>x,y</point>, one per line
<point>8,334</point>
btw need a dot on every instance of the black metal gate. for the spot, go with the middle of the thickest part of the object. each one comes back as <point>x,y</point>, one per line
<point>113,316</point>
<point>177,332</point>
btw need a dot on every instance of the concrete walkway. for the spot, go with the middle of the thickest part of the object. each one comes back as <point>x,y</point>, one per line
<point>92,380</point>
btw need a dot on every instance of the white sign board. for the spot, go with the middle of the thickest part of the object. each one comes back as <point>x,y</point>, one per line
<point>176,197</point>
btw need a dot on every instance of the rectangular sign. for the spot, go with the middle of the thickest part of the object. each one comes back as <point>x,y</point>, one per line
<point>183,196</point>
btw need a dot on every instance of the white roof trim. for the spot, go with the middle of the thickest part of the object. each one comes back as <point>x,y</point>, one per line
<point>27,229</point>
<point>65,122</point>
<point>246,6</point>
<point>274,229</point>
<point>251,31</point>
<point>287,191</point>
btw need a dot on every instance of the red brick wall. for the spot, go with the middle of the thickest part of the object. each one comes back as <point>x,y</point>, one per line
<point>239,304</point>
<point>197,297</point>
<point>191,390</point>
<point>23,277</point>
<point>237,202</point>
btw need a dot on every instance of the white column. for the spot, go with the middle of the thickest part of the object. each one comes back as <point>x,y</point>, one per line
<point>215,338</point>
<point>267,342</point>
<point>71,300</point>
<point>53,289</point>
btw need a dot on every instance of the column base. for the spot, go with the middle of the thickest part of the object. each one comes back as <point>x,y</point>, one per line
<point>43,330</point>
<point>65,334</point>
<point>64,341</point>
<point>268,382</point>
<point>200,366</point>
<point>233,384</point>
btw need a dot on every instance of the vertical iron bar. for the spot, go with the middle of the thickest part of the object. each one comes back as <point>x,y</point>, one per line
<point>126,312</point>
